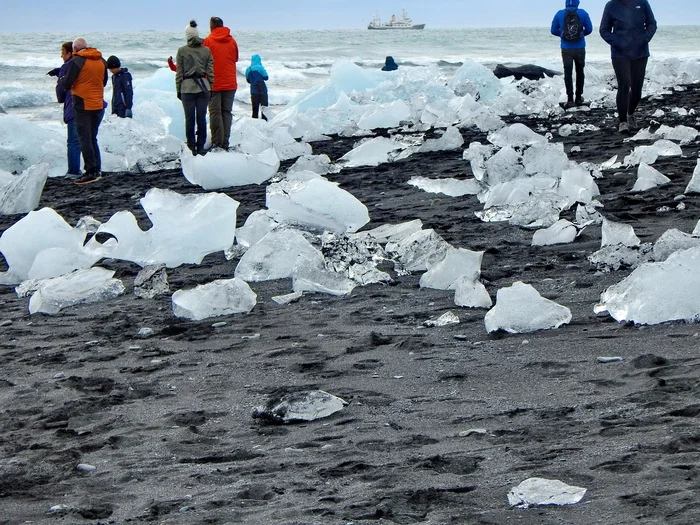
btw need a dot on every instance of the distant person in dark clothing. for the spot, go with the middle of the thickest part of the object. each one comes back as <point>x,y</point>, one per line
<point>573,48</point>
<point>86,77</point>
<point>193,81</point>
<point>628,26</point>
<point>256,77</point>
<point>122,89</point>
<point>64,96</point>
<point>390,65</point>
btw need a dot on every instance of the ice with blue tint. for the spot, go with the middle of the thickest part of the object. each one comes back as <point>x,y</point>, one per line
<point>225,169</point>
<point>476,80</point>
<point>372,152</point>
<point>254,136</point>
<point>214,299</point>
<point>24,144</point>
<point>22,193</point>
<point>256,226</point>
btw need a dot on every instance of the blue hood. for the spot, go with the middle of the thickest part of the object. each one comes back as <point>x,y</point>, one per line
<point>572,4</point>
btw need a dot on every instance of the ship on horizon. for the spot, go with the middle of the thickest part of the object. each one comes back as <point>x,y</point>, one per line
<point>404,22</point>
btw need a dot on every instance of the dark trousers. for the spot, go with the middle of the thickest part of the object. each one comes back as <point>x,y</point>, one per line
<point>195,106</point>
<point>87,123</point>
<point>572,57</point>
<point>257,100</point>
<point>73,148</point>
<point>630,81</point>
<point>221,116</point>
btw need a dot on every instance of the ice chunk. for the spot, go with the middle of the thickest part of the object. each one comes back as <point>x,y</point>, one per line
<point>371,152</point>
<point>682,134</point>
<point>471,294</point>
<point>287,298</point>
<point>672,241</point>
<point>385,115</point>
<point>648,177</point>
<point>185,229</point>
<point>476,80</point>
<point>310,278</point>
<point>477,154</point>
<point>220,297</point>
<point>299,406</point>
<point>255,136</point>
<point>257,225</point>
<point>577,185</point>
<point>151,281</point>
<point>317,204</point>
<point>458,263</point>
<point>517,191</point>
<point>450,140</point>
<point>446,319</point>
<point>562,232</point>
<point>450,187</point>
<point>618,256</point>
<point>649,154</point>
<point>392,232</point>
<point>24,245</point>
<point>21,193</point>
<point>24,144</point>
<point>419,251</point>
<point>80,287</point>
<point>505,166</point>
<point>694,184</point>
<point>618,233</point>
<point>274,256</point>
<point>354,256</point>
<point>538,491</point>
<point>657,292</point>
<point>588,214</point>
<point>545,159</point>
<point>515,135</point>
<point>521,309</point>
<point>224,169</point>
<point>320,164</point>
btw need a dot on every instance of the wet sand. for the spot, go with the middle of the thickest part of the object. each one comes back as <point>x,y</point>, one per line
<point>166,420</point>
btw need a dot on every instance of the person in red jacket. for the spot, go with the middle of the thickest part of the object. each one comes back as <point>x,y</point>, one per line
<point>86,77</point>
<point>224,49</point>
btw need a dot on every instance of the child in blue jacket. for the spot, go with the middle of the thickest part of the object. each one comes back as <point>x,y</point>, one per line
<point>256,77</point>
<point>122,90</point>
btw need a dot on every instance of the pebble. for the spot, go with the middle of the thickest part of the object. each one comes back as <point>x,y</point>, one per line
<point>6,322</point>
<point>92,343</point>
<point>59,508</point>
<point>472,431</point>
<point>461,337</point>
<point>145,332</point>
<point>252,336</point>
<point>609,359</point>
<point>84,467</point>
<point>219,325</point>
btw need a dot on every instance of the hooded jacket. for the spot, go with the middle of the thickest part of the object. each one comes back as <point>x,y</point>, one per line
<point>390,64</point>
<point>194,65</point>
<point>558,25</point>
<point>64,95</point>
<point>86,77</point>
<point>122,92</point>
<point>256,76</point>
<point>628,26</point>
<point>224,49</point>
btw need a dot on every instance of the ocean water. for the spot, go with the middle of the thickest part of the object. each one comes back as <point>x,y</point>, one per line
<point>299,60</point>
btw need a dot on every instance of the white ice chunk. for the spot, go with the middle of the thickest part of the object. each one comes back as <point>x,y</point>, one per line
<point>393,232</point>
<point>385,115</point>
<point>561,232</point>
<point>618,233</point>
<point>450,187</point>
<point>316,203</point>
<point>371,152</point>
<point>24,144</point>
<point>274,256</point>
<point>452,139</point>
<point>648,178</point>
<point>471,294</point>
<point>220,297</point>
<point>538,491</point>
<point>300,406</point>
<point>320,164</point>
<point>545,159</point>
<point>578,185</point>
<point>515,135</point>
<point>505,166</point>
<point>672,241</point>
<point>80,287</point>
<point>255,136</point>
<point>446,319</point>
<point>185,229</point>
<point>657,292</point>
<point>22,193</point>
<point>458,263</point>
<point>311,278</point>
<point>588,214</point>
<point>418,251</point>
<point>224,169</point>
<point>477,154</point>
<point>682,134</point>
<point>477,80</point>
<point>694,184</point>
<point>520,309</point>
<point>516,191</point>
<point>257,225</point>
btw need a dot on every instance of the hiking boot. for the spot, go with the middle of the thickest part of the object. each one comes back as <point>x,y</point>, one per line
<point>579,101</point>
<point>87,178</point>
<point>624,127</point>
<point>568,104</point>
<point>632,121</point>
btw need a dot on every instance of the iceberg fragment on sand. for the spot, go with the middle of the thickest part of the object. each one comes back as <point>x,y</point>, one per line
<point>648,178</point>
<point>618,233</point>
<point>310,278</point>
<point>539,491</point>
<point>220,297</point>
<point>471,294</point>
<point>225,169</point>
<point>299,406</point>
<point>450,187</point>
<point>80,287</point>
<point>520,309</point>
<point>657,292</point>
<point>458,263</point>
<point>22,193</point>
<point>418,251</point>
<point>694,184</point>
<point>561,232</point>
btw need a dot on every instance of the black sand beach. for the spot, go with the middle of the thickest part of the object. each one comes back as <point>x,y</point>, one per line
<point>438,428</point>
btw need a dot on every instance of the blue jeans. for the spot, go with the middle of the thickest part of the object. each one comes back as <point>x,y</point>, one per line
<point>73,144</point>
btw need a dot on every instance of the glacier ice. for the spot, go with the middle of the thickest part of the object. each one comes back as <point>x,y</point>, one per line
<point>450,187</point>
<point>371,152</point>
<point>618,233</point>
<point>515,135</point>
<point>85,286</point>
<point>214,299</point>
<point>471,294</point>
<point>392,232</point>
<point>577,185</point>
<point>672,240</point>
<point>225,169</point>
<point>418,251</point>
<point>151,281</point>
<point>457,263</point>
<point>22,193</point>
<point>694,184</point>
<point>648,178</point>
<point>561,232</point>
<point>539,491</point>
<point>299,406</point>
<point>256,226</point>
<point>255,136</point>
<point>520,309</point>
<point>450,140</point>
<point>355,256</point>
<point>307,277</point>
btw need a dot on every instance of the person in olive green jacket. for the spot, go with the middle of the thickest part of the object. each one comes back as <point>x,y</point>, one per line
<point>193,81</point>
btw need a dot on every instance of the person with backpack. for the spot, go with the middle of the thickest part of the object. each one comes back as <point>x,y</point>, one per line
<point>572,25</point>
<point>628,26</point>
<point>256,76</point>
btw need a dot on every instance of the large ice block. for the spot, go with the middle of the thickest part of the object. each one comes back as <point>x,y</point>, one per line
<point>225,169</point>
<point>220,297</point>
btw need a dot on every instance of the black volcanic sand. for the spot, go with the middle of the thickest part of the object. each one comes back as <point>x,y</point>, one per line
<point>167,419</point>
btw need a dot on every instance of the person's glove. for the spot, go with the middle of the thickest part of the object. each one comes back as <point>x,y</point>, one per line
<point>179,95</point>
<point>128,113</point>
<point>54,72</point>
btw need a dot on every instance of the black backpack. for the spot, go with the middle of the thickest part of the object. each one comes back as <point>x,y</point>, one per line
<point>573,28</point>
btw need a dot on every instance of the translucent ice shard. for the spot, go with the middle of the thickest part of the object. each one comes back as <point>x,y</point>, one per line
<point>457,263</point>
<point>538,491</point>
<point>221,297</point>
<point>450,187</point>
<point>618,233</point>
<point>562,232</point>
<point>224,169</point>
<point>21,193</point>
<point>648,178</point>
<point>299,406</point>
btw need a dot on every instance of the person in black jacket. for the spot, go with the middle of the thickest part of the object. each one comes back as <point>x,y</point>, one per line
<point>628,26</point>
<point>390,64</point>
<point>122,89</point>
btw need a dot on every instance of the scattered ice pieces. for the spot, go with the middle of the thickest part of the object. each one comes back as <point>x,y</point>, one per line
<point>151,281</point>
<point>521,309</point>
<point>220,297</point>
<point>449,187</point>
<point>446,319</point>
<point>299,406</point>
<point>539,492</point>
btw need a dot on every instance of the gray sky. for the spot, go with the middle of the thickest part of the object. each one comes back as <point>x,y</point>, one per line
<point>20,16</point>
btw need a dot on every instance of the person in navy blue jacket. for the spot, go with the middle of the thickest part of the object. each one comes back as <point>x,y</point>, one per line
<point>64,96</point>
<point>122,90</point>
<point>573,52</point>
<point>628,26</point>
<point>256,77</point>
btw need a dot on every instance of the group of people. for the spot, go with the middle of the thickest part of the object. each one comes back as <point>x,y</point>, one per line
<point>80,88</point>
<point>627,26</point>
<point>205,78</point>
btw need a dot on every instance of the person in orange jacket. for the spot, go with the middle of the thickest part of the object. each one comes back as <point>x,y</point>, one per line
<point>86,77</point>
<point>224,49</point>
